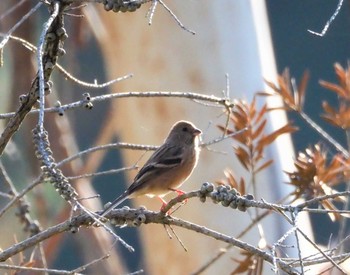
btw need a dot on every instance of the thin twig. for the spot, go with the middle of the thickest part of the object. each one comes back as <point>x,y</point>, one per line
<point>96,218</point>
<point>137,272</point>
<point>322,198</point>
<point>212,260</point>
<point>7,181</point>
<point>326,211</point>
<point>94,85</point>
<point>315,261</point>
<point>177,238</point>
<point>221,138</point>
<point>20,22</point>
<point>85,266</point>
<point>324,134</point>
<point>11,9</point>
<point>38,269</point>
<point>279,243</point>
<point>175,17</point>
<point>334,15</point>
<point>66,74</point>
<point>118,145</point>
<point>20,195</point>
<point>151,11</point>
<point>6,195</point>
<point>30,225</point>
<point>294,216</point>
<point>109,172</point>
<point>227,95</point>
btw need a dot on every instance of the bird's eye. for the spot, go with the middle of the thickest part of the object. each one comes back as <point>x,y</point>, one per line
<point>184,129</point>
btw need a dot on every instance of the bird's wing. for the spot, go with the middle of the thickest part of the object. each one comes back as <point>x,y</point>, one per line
<point>166,157</point>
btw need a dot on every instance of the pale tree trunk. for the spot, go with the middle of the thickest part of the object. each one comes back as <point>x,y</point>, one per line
<point>231,37</point>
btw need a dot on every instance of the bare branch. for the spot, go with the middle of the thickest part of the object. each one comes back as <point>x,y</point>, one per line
<point>129,216</point>
<point>20,22</point>
<point>329,22</point>
<point>226,103</point>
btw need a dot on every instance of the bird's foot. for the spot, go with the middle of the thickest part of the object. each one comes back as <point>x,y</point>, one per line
<point>180,193</point>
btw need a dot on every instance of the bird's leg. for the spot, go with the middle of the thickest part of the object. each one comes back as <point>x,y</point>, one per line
<point>164,203</point>
<point>179,193</point>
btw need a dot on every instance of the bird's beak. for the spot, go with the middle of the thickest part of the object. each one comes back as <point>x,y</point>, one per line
<point>197,132</point>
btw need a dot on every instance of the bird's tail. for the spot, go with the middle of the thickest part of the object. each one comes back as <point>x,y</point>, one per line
<point>115,203</point>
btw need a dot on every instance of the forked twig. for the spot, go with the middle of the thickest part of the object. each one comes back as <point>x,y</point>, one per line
<point>329,22</point>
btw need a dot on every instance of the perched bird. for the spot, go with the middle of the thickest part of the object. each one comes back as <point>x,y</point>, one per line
<point>168,167</point>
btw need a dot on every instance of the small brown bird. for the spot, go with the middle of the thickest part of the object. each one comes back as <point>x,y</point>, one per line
<point>168,167</point>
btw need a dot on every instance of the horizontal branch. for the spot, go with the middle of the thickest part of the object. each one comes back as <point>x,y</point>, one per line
<point>223,195</point>
<point>322,198</point>
<point>82,103</point>
<point>136,217</point>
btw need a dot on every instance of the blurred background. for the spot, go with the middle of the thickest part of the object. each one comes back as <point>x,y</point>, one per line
<point>248,40</point>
